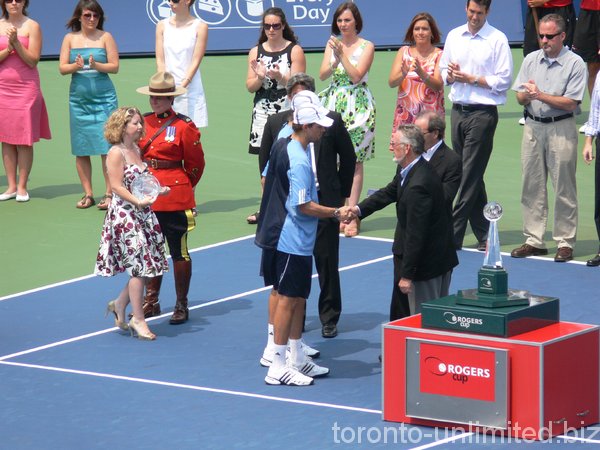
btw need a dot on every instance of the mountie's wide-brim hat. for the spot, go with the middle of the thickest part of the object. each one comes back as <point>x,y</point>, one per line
<point>162,84</point>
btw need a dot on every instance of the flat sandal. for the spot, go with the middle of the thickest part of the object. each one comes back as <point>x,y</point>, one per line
<point>87,201</point>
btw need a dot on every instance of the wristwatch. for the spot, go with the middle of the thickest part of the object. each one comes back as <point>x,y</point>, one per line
<point>476,82</point>
<point>336,213</point>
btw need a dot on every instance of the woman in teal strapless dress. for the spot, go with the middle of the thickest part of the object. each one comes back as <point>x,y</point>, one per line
<point>89,54</point>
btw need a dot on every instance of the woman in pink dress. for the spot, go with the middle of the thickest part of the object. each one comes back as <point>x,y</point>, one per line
<point>416,71</point>
<point>23,115</point>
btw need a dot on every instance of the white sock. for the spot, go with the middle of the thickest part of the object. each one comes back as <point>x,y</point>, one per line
<point>270,335</point>
<point>279,357</point>
<point>297,354</point>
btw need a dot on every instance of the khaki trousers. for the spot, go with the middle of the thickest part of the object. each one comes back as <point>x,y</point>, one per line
<point>549,151</point>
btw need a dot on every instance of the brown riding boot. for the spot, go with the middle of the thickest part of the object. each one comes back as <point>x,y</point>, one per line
<point>151,306</point>
<point>183,274</point>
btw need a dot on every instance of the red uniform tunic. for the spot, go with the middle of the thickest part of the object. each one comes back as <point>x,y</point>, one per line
<point>179,142</point>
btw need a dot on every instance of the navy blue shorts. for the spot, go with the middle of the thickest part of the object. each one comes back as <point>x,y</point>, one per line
<point>290,275</point>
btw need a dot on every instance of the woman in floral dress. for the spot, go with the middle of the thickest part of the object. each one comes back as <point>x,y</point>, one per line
<point>416,72</point>
<point>131,239</point>
<point>347,59</point>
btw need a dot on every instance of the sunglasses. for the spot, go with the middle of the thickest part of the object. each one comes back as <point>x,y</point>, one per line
<point>272,26</point>
<point>13,1</point>
<point>90,16</point>
<point>174,1</point>
<point>548,36</point>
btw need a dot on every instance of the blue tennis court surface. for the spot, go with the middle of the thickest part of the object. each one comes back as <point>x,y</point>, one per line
<point>70,380</point>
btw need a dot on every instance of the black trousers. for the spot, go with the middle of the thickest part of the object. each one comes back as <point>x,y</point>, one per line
<point>473,139</point>
<point>326,255</point>
<point>399,306</point>
<point>175,226</point>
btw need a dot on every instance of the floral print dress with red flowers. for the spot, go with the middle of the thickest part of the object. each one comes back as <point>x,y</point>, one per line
<point>131,239</point>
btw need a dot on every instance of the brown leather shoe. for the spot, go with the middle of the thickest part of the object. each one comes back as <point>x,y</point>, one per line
<point>526,250</point>
<point>564,254</point>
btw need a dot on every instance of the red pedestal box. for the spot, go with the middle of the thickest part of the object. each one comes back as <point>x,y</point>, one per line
<point>533,385</point>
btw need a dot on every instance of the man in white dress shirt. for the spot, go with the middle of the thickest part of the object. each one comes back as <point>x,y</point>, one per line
<point>477,64</point>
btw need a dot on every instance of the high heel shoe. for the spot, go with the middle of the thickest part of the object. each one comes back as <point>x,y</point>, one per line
<point>134,326</point>
<point>110,308</point>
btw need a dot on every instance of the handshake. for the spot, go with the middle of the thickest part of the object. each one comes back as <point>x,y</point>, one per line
<point>346,213</point>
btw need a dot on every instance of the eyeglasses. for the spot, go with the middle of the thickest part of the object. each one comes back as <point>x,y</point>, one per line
<point>548,36</point>
<point>91,16</point>
<point>272,26</point>
<point>13,1</point>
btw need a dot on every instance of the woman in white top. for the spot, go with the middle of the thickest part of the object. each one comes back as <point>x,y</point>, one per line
<point>180,46</point>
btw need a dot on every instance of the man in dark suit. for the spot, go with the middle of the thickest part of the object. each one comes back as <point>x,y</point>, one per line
<point>423,248</point>
<point>334,182</point>
<point>444,161</point>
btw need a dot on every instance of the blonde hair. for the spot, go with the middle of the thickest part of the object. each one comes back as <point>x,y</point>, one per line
<point>118,120</point>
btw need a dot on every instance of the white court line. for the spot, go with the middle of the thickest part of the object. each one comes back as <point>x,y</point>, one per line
<point>191,387</point>
<point>443,441</point>
<point>202,305</point>
<point>85,277</point>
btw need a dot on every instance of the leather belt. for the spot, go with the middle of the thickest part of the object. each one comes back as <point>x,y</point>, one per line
<point>548,119</point>
<point>163,164</point>
<point>470,108</point>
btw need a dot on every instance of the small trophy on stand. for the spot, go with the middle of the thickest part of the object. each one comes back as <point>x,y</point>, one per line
<point>492,280</point>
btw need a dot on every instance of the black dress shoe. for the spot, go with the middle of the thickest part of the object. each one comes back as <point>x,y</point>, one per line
<point>594,262</point>
<point>329,330</point>
<point>482,246</point>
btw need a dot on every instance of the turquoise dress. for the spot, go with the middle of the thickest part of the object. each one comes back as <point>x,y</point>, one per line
<point>92,98</point>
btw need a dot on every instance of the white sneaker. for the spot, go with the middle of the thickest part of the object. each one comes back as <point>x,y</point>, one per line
<point>583,127</point>
<point>309,351</point>
<point>287,375</point>
<point>310,369</point>
<point>522,121</point>
<point>267,357</point>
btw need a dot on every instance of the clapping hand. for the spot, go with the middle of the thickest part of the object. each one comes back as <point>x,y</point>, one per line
<point>11,34</point>
<point>418,68</point>
<point>259,69</point>
<point>531,90</point>
<point>408,64</point>
<point>336,47</point>
<point>453,72</point>
<point>92,62</point>
<point>79,61</point>
<point>273,73</point>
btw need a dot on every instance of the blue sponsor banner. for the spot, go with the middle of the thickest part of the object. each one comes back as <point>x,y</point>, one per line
<point>234,24</point>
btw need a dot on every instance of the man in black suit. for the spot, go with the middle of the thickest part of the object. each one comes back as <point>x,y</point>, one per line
<point>445,161</point>
<point>334,182</point>
<point>423,248</point>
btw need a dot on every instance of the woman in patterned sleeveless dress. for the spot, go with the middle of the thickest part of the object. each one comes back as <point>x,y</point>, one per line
<point>270,65</point>
<point>131,239</point>
<point>89,54</point>
<point>347,60</point>
<point>416,72</point>
<point>180,46</point>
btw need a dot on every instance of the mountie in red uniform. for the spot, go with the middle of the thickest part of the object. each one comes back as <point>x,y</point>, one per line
<point>175,157</point>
